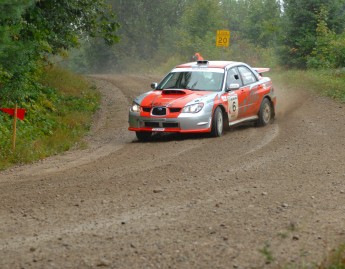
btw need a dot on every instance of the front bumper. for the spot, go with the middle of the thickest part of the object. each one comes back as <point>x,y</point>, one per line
<point>183,123</point>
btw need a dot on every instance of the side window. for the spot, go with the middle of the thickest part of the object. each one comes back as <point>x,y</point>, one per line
<point>233,77</point>
<point>247,76</point>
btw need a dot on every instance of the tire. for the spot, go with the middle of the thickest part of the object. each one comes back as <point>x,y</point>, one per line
<point>265,113</point>
<point>217,123</point>
<point>143,136</point>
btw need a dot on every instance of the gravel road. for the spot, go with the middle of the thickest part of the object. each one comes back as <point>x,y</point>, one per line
<point>253,198</point>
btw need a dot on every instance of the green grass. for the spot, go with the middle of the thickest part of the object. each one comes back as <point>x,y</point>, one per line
<point>267,253</point>
<point>68,83</point>
<point>57,118</point>
<point>336,259</point>
<point>329,83</point>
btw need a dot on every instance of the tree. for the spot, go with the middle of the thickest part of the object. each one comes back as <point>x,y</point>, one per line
<point>262,24</point>
<point>329,49</point>
<point>14,53</point>
<point>321,55</point>
<point>33,30</point>
<point>255,20</point>
<point>145,27</point>
<point>301,22</point>
<point>61,23</point>
<point>159,30</point>
<point>197,27</point>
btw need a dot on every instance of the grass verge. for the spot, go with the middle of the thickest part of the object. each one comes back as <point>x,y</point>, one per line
<point>329,83</point>
<point>58,116</point>
<point>336,259</point>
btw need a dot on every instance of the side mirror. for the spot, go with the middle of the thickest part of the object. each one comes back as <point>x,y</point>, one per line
<point>154,85</point>
<point>233,87</point>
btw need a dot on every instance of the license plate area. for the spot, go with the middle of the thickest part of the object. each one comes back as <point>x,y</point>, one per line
<point>158,129</point>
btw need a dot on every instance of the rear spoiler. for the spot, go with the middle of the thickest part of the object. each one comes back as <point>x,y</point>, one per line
<point>261,70</point>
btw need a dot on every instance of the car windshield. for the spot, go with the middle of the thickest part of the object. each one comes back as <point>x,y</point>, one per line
<point>193,80</point>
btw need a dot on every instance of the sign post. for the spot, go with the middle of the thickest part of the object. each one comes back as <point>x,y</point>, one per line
<point>14,128</point>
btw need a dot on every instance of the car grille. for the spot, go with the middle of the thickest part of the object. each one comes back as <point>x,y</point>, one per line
<point>171,109</point>
<point>159,111</point>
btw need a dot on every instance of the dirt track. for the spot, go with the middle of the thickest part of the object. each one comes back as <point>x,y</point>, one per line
<point>253,198</point>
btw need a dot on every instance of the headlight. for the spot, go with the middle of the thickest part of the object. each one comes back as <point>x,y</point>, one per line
<point>135,107</point>
<point>193,108</point>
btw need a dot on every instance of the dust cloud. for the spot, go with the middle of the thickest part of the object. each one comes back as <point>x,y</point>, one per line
<point>288,100</point>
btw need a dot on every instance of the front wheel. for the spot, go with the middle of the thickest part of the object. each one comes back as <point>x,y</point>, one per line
<point>265,113</point>
<point>143,136</point>
<point>217,123</point>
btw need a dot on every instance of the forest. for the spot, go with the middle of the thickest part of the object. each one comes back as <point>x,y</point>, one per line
<point>148,36</point>
<point>105,36</point>
<point>292,34</point>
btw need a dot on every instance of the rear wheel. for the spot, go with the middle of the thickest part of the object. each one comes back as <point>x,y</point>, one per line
<point>143,136</point>
<point>265,113</point>
<point>217,123</point>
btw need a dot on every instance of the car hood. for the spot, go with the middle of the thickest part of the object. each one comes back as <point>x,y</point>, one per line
<point>172,98</point>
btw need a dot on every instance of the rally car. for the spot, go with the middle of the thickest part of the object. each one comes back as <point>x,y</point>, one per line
<point>204,97</point>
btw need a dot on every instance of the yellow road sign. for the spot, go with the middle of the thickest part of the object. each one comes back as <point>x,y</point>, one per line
<point>223,38</point>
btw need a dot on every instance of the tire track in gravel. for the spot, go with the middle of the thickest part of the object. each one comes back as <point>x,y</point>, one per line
<point>108,134</point>
<point>103,143</point>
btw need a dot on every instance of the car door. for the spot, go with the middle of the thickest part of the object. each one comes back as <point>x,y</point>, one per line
<point>233,93</point>
<point>238,96</point>
<point>248,93</point>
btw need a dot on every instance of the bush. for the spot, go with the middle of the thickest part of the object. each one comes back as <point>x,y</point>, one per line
<point>56,119</point>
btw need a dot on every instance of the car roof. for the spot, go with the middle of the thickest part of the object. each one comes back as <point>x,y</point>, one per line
<point>210,64</point>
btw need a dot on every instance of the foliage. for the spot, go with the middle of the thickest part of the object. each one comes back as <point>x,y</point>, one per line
<point>267,253</point>
<point>58,24</point>
<point>32,30</point>
<point>337,50</point>
<point>152,32</point>
<point>15,63</point>
<point>55,120</point>
<point>306,33</point>
<point>249,20</point>
<point>329,50</point>
<point>336,259</point>
<point>305,22</point>
<point>321,56</point>
<point>254,55</point>
<point>146,24</point>
<point>189,36</point>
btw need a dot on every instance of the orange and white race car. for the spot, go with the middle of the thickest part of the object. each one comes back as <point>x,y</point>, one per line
<point>204,96</point>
